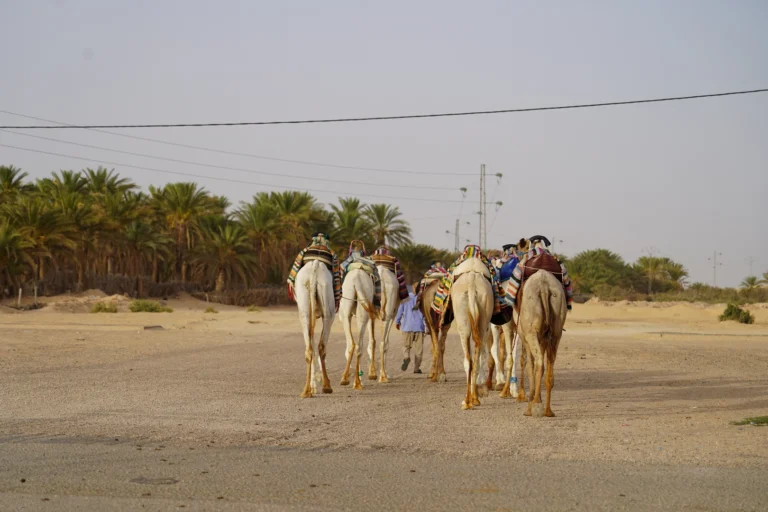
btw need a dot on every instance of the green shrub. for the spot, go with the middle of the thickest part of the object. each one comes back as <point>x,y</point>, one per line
<point>254,309</point>
<point>104,307</point>
<point>210,309</point>
<point>758,421</point>
<point>734,312</point>
<point>148,306</point>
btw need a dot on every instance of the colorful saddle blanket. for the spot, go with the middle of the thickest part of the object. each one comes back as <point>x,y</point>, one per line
<point>536,259</point>
<point>441,308</point>
<point>328,257</point>
<point>383,256</point>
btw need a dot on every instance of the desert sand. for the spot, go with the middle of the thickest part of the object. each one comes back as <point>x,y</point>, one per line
<point>99,413</point>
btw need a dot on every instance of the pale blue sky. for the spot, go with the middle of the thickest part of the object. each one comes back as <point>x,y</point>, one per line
<point>686,178</point>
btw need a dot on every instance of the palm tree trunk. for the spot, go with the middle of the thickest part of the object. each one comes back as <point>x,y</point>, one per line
<point>155,268</point>
<point>220,281</point>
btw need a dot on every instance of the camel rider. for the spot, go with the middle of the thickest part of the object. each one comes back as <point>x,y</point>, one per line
<point>318,249</point>
<point>527,250</point>
<point>507,262</point>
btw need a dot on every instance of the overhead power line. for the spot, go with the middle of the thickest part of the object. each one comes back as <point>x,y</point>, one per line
<point>231,180</point>
<point>225,167</point>
<point>247,155</point>
<point>392,118</point>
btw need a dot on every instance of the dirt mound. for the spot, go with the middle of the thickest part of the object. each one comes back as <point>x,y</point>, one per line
<point>85,303</point>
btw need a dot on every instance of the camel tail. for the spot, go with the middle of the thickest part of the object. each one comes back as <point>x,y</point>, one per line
<point>552,328</point>
<point>474,316</point>
<point>312,302</point>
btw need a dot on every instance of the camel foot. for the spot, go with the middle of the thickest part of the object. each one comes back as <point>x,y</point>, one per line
<point>475,401</point>
<point>441,378</point>
<point>505,393</point>
<point>538,410</point>
<point>528,411</point>
<point>465,406</point>
<point>499,386</point>
<point>432,376</point>
<point>549,414</point>
<point>372,376</point>
<point>520,397</point>
<point>358,385</point>
<point>344,382</point>
<point>384,379</point>
<point>306,394</point>
<point>328,390</point>
<point>482,391</point>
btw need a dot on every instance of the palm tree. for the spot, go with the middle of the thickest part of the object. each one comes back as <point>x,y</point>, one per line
<point>13,254</point>
<point>676,272</point>
<point>653,268</point>
<point>86,224</point>
<point>103,182</point>
<point>764,280</point>
<point>225,253</point>
<point>349,223</point>
<point>749,285</point>
<point>11,183</point>
<point>386,225</point>
<point>183,204</point>
<point>416,259</point>
<point>49,233</point>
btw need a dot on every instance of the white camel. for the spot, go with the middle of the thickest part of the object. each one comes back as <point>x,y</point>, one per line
<point>356,300</point>
<point>541,315</point>
<point>314,297</point>
<point>472,300</point>
<point>390,302</point>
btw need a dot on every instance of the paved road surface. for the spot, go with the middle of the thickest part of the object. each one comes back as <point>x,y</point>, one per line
<point>104,474</point>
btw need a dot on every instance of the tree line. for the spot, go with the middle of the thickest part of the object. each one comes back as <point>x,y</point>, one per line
<point>80,226</point>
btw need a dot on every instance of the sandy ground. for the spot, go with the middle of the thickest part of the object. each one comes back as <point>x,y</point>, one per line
<point>97,413</point>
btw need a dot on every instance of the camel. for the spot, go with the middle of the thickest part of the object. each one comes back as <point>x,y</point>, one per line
<point>390,302</point>
<point>314,297</point>
<point>472,300</point>
<point>437,371</point>
<point>356,299</point>
<point>541,315</point>
<point>508,352</point>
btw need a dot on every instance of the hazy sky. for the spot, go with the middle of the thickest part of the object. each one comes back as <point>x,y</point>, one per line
<point>686,178</point>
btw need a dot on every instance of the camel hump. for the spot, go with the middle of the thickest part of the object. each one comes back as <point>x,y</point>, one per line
<point>471,265</point>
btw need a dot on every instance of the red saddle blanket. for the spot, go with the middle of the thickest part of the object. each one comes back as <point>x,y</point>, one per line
<point>542,262</point>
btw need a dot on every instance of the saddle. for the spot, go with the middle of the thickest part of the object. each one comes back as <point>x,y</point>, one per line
<point>542,261</point>
<point>384,260</point>
<point>319,253</point>
<point>360,265</point>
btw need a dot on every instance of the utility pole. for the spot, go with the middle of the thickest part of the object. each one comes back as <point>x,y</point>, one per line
<point>750,261</point>
<point>483,213</point>
<point>715,264</point>
<point>456,238</point>
<point>651,251</point>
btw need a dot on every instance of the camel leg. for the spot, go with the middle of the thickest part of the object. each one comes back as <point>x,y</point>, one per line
<point>476,368</point>
<point>498,352</point>
<point>384,347</point>
<point>441,355</point>
<point>308,357</point>
<point>371,356</point>
<point>492,360</point>
<point>509,365</point>
<point>432,376</point>
<point>530,374</point>
<point>521,395</point>
<point>350,348</point>
<point>467,403</point>
<point>550,383</point>
<point>321,349</point>
<point>358,383</point>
